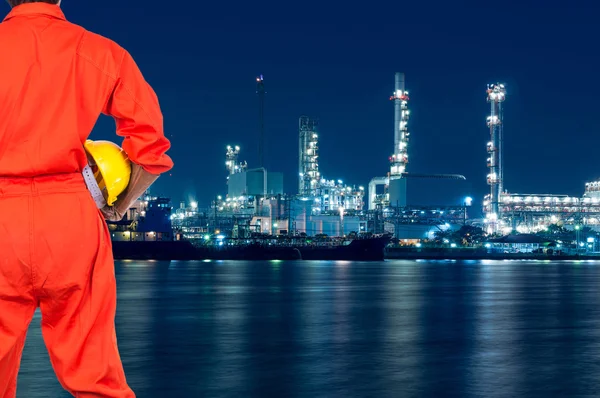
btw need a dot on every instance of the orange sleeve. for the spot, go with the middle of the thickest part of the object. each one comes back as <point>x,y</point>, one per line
<point>134,106</point>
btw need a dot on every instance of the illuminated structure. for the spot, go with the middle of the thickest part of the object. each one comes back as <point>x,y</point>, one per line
<point>334,195</point>
<point>525,213</point>
<point>394,186</point>
<point>381,199</point>
<point>496,94</point>
<point>231,161</point>
<point>308,157</point>
<point>247,188</point>
<point>328,196</point>
<point>391,190</point>
<point>532,213</point>
<point>399,158</point>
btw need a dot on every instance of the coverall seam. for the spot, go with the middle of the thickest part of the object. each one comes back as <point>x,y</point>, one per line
<point>90,60</point>
<point>110,90</point>
<point>81,41</point>
<point>126,87</point>
<point>94,63</point>
<point>123,53</point>
<point>115,78</point>
<point>102,70</point>
<point>131,93</point>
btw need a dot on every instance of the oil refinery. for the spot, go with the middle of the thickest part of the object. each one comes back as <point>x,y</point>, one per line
<point>399,202</point>
<point>410,205</point>
<point>506,212</point>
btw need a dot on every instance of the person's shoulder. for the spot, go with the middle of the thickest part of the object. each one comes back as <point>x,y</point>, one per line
<point>101,51</point>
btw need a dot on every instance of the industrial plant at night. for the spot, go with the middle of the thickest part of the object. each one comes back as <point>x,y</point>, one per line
<point>506,212</point>
<point>255,202</point>
<point>398,202</point>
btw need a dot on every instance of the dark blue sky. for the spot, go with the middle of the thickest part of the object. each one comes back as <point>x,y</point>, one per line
<point>336,61</point>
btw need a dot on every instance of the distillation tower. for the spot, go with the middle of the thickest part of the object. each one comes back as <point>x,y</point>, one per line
<point>308,157</point>
<point>399,159</point>
<point>496,94</point>
<point>326,195</point>
<point>394,185</point>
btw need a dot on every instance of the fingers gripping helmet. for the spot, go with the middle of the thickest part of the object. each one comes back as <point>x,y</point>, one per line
<point>111,170</point>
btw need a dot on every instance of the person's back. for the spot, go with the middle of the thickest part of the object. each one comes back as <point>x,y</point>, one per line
<point>55,80</point>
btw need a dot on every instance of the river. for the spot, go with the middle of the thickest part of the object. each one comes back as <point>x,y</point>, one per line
<point>350,329</point>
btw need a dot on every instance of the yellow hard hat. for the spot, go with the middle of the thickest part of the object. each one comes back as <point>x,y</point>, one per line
<point>111,167</point>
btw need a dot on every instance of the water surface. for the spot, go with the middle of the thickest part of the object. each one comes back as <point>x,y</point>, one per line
<point>348,329</point>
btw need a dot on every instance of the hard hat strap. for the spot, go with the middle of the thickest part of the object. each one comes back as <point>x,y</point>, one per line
<point>92,185</point>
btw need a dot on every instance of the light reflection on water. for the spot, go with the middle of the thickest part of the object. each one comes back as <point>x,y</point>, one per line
<point>329,329</point>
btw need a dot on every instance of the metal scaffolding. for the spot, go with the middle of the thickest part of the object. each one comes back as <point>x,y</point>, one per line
<point>231,160</point>
<point>308,157</point>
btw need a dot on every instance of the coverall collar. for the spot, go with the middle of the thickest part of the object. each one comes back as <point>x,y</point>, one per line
<point>29,9</point>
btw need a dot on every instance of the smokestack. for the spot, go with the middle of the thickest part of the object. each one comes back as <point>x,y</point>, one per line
<point>260,90</point>
<point>398,92</point>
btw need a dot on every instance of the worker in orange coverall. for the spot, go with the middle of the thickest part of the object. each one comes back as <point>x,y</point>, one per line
<point>56,78</point>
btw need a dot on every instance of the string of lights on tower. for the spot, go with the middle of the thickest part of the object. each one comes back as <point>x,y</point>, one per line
<point>399,159</point>
<point>496,94</point>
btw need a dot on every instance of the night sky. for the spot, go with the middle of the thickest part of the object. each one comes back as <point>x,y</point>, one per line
<point>335,61</point>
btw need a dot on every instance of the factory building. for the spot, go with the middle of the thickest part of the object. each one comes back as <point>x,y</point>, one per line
<point>255,182</point>
<point>421,191</point>
<point>305,221</point>
<point>248,189</point>
<point>531,213</point>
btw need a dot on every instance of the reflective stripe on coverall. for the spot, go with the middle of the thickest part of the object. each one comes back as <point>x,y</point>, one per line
<point>55,250</point>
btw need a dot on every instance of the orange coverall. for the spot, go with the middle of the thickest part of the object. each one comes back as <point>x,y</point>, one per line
<point>56,78</point>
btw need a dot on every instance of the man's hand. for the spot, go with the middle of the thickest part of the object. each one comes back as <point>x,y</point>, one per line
<point>111,213</point>
<point>139,182</point>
